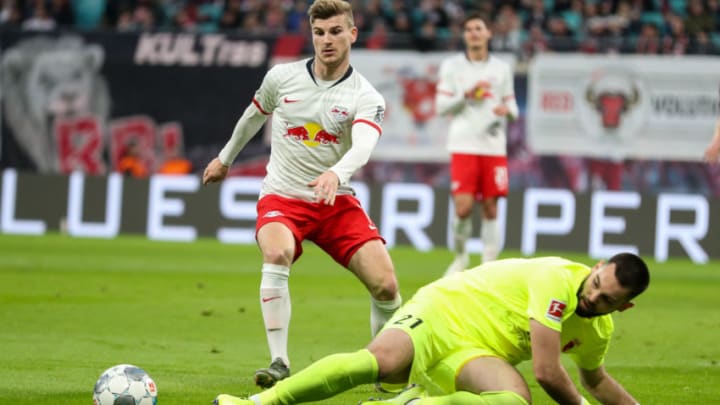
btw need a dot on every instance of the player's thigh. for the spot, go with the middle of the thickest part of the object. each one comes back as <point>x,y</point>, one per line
<point>281,226</point>
<point>372,265</point>
<point>393,350</point>
<point>494,181</point>
<point>277,243</point>
<point>481,374</point>
<point>411,341</point>
<point>344,229</point>
<point>464,171</point>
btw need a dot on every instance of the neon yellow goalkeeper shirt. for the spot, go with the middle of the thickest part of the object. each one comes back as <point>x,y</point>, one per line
<point>491,307</point>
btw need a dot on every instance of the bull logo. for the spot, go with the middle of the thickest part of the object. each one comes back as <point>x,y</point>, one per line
<point>340,114</point>
<point>612,96</point>
<point>311,134</point>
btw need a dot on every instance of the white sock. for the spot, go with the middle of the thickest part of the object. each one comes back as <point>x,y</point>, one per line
<point>381,312</point>
<point>276,309</point>
<point>489,234</point>
<point>462,228</point>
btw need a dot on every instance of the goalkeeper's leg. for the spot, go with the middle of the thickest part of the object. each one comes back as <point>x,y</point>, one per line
<point>388,357</point>
<point>326,377</point>
<point>476,376</point>
<point>488,380</point>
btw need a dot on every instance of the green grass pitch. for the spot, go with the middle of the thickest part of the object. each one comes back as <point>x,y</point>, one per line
<point>189,315</point>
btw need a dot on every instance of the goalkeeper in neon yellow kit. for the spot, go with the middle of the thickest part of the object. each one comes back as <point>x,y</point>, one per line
<point>459,338</point>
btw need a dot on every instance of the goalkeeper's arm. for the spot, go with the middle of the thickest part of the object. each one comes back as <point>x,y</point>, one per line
<point>604,388</point>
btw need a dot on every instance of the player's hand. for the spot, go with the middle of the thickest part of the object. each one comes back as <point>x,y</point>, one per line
<point>712,153</point>
<point>501,110</point>
<point>214,172</point>
<point>325,187</point>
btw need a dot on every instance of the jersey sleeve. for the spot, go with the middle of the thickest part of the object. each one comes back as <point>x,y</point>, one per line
<point>445,78</point>
<point>508,93</point>
<point>266,97</point>
<point>551,298</point>
<point>448,98</point>
<point>370,110</point>
<point>508,86</point>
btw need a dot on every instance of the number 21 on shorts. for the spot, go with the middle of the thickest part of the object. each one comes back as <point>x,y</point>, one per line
<point>409,320</point>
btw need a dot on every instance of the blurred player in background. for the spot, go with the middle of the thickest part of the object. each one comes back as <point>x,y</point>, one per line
<point>132,162</point>
<point>326,121</point>
<point>459,338</point>
<point>713,150</point>
<point>175,164</point>
<point>476,89</point>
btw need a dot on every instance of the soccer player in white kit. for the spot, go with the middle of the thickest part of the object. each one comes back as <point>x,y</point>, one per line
<point>476,89</point>
<point>326,120</point>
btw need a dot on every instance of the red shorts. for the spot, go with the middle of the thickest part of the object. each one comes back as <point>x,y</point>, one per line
<point>482,176</point>
<point>340,229</point>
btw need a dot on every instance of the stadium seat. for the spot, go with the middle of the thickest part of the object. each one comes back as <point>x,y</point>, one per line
<point>715,37</point>
<point>653,17</point>
<point>573,20</point>
<point>88,13</point>
<point>213,12</point>
<point>678,7</point>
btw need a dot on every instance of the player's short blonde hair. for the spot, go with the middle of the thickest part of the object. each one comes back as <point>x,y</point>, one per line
<point>324,9</point>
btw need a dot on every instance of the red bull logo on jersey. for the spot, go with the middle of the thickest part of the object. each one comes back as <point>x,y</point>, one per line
<point>483,91</point>
<point>311,134</point>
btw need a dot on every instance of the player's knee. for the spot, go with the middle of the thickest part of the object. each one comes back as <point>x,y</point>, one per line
<point>279,256</point>
<point>463,211</point>
<point>385,289</point>
<point>489,209</point>
<point>393,364</point>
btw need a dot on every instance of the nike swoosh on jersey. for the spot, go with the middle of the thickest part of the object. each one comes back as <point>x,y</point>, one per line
<point>289,100</point>
<point>270,298</point>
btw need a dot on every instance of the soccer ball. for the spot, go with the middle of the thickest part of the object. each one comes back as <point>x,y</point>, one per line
<point>125,384</point>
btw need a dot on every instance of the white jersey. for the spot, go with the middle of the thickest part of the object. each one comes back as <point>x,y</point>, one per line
<point>474,128</point>
<point>311,124</point>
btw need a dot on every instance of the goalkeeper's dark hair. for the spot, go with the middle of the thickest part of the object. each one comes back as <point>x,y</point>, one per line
<point>631,272</point>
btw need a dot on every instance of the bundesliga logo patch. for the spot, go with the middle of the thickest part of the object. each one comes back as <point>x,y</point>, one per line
<point>555,310</point>
<point>379,115</point>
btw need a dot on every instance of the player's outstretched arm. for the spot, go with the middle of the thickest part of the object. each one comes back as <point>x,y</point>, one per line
<point>604,388</point>
<point>548,369</point>
<point>246,127</point>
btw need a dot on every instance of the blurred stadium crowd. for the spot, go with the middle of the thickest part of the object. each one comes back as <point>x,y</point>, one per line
<point>520,26</point>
